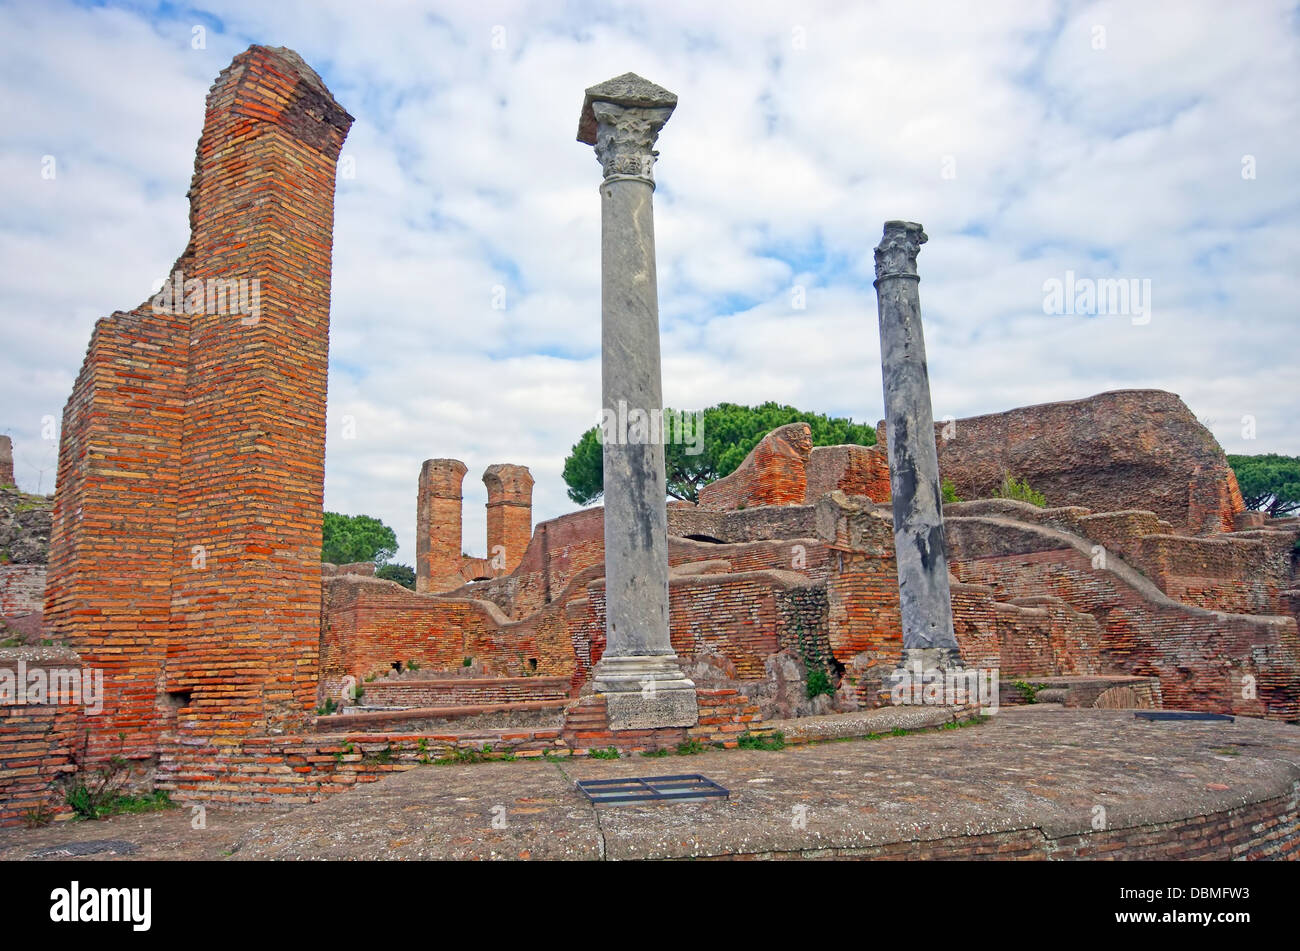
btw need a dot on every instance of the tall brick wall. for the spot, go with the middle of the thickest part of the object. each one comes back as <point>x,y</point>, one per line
<point>185,551</point>
<point>1128,449</point>
<point>509,515</point>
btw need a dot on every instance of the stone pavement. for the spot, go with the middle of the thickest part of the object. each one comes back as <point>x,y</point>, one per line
<point>1027,776</point>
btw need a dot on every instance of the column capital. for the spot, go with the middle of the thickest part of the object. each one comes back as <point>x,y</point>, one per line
<point>898,248</point>
<point>622,118</point>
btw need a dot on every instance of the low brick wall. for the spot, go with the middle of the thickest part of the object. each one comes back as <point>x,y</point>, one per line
<point>294,770</point>
<point>37,740</point>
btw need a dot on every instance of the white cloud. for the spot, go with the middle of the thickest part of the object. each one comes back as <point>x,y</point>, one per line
<point>796,136</point>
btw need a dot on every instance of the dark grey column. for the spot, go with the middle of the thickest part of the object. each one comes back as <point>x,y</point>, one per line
<point>923,591</point>
<point>638,672</point>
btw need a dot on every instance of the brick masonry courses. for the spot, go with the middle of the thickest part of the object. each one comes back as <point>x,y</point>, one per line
<point>185,553</point>
<point>298,769</point>
<point>1205,659</point>
<point>39,742</point>
<point>438,525</point>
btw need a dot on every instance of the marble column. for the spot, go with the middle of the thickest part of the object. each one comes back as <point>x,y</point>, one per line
<point>638,673</point>
<point>924,595</point>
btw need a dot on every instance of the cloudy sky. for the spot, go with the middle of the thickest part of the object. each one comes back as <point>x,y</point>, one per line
<point>1147,141</point>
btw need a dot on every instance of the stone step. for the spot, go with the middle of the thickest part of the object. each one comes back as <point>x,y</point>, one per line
<point>534,713</point>
<point>1106,691</point>
<point>463,691</point>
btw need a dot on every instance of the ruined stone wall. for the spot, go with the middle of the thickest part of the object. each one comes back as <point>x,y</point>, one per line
<point>1223,573</point>
<point>1128,449</point>
<point>185,552</point>
<point>563,547</point>
<point>441,567</point>
<point>1204,660</point>
<point>1027,637</point>
<point>22,601</point>
<point>370,624</point>
<point>741,525</point>
<point>6,461</point>
<point>848,565</point>
<point>854,470</point>
<point>1243,572</point>
<point>772,474</point>
<point>24,551</point>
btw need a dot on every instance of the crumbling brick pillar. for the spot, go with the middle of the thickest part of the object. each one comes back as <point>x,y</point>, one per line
<point>6,461</point>
<point>185,546</point>
<point>438,553</point>
<point>509,515</point>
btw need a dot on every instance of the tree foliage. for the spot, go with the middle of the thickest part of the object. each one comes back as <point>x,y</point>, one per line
<point>1269,483</point>
<point>726,434</point>
<point>346,539</point>
<point>402,574</point>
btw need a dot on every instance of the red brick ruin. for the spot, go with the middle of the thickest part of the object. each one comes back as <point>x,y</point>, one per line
<point>184,559</point>
<point>185,551</point>
<point>440,564</point>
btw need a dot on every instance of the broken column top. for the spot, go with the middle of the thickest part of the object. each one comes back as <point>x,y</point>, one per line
<point>508,482</point>
<point>443,474</point>
<point>628,91</point>
<point>896,254</point>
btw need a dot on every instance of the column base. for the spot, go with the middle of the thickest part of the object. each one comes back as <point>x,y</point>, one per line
<point>645,691</point>
<point>942,658</point>
<point>907,684</point>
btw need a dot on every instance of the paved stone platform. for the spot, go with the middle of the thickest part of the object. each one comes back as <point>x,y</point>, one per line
<point>1031,782</point>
